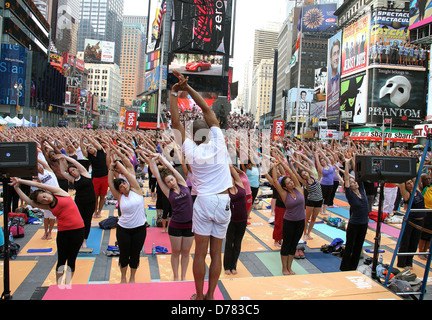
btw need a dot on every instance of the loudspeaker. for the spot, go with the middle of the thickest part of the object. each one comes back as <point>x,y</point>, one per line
<point>385,169</point>
<point>18,159</point>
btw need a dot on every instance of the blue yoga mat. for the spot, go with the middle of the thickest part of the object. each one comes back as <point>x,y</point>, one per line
<point>326,262</point>
<point>333,232</point>
<point>94,241</point>
<point>342,212</point>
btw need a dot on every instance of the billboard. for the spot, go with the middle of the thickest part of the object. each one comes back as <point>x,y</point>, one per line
<point>201,26</point>
<point>131,120</point>
<point>13,70</point>
<point>333,78</point>
<point>353,96</point>
<point>157,10</point>
<point>355,45</point>
<point>185,101</point>
<point>97,51</point>
<point>319,18</point>
<point>396,94</point>
<point>305,99</point>
<point>420,13</point>
<point>197,64</point>
<point>389,36</point>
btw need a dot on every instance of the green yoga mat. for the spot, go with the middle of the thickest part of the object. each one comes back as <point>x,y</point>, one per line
<point>272,262</point>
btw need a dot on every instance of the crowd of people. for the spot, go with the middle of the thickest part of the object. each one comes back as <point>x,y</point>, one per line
<point>205,184</point>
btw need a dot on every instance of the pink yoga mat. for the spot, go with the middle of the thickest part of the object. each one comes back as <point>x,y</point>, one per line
<point>154,235</point>
<point>391,231</point>
<point>137,291</point>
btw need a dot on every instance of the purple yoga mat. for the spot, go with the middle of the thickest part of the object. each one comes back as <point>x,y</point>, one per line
<point>391,231</point>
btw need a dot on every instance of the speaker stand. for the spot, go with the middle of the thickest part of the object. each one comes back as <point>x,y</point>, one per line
<point>6,295</point>
<point>378,232</point>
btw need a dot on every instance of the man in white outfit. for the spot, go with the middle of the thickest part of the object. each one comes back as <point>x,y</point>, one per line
<point>208,159</point>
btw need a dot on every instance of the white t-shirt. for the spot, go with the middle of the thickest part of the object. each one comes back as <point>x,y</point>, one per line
<point>132,211</point>
<point>209,163</point>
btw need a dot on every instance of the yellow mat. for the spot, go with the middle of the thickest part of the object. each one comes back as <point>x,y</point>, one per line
<point>83,269</point>
<point>338,285</point>
<point>18,271</point>
<point>104,215</point>
<point>142,274</point>
<point>242,272</point>
<point>165,268</point>
<point>36,242</point>
<point>265,234</point>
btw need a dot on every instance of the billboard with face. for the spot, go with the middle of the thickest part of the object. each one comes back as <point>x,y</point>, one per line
<point>333,78</point>
<point>353,98</point>
<point>396,94</point>
<point>355,45</point>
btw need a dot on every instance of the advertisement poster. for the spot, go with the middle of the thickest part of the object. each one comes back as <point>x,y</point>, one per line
<point>396,94</point>
<point>278,128</point>
<point>420,13</point>
<point>389,36</point>
<point>131,119</point>
<point>333,78</point>
<point>353,98</point>
<point>319,18</point>
<point>355,45</point>
<point>97,51</point>
<point>201,26</point>
<point>157,10</point>
<point>13,66</point>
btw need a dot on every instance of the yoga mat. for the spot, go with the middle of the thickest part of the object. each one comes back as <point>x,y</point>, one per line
<point>340,202</point>
<point>159,238</point>
<point>176,290</point>
<point>265,234</point>
<point>18,272</point>
<point>391,231</point>
<point>342,212</point>
<point>272,261</point>
<point>94,241</point>
<point>256,220</point>
<point>83,270</point>
<point>316,242</point>
<point>333,232</point>
<point>338,286</point>
<point>326,262</point>
<point>242,272</point>
<point>249,243</point>
<point>104,215</point>
<point>36,243</point>
<point>142,274</point>
<point>165,268</point>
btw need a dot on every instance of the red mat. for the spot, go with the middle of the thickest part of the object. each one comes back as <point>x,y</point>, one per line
<point>159,238</point>
<point>136,291</point>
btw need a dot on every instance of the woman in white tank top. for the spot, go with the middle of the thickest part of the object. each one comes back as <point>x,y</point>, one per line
<point>132,228</point>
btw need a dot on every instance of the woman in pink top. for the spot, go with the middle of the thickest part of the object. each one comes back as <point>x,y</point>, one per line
<point>70,224</point>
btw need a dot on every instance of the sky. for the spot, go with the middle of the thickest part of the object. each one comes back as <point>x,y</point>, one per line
<point>250,15</point>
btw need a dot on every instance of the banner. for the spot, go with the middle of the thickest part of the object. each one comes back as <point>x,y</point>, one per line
<point>201,26</point>
<point>13,70</point>
<point>353,98</point>
<point>389,36</point>
<point>131,119</point>
<point>319,18</point>
<point>396,94</point>
<point>333,78</point>
<point>122,118</point>
<point>355,45</point>
<point>97,51</point>
<point>157,10</point>
<point>278,128</point>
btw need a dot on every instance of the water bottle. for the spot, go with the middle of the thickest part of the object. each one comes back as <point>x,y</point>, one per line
<point>10,237</point>
<point>380,259</point>
<point>153,222</point>
<point>153,249</point>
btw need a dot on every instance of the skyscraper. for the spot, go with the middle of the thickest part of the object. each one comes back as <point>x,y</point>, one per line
<point>102,20</point>
<point>132,62</point>
<point>265,43</point>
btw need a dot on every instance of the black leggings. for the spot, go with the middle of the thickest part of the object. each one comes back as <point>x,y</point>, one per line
<point>355,236</point>
<point>130,242</point>
<point>292,232</point>
<point>86,210</point>
<point>234,237</point>
<point>68,245</point>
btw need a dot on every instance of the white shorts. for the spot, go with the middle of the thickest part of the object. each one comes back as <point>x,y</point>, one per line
<point>211,215</point>
<point>48,214</point>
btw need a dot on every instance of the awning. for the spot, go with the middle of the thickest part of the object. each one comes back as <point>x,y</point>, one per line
<point>376,134</point>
